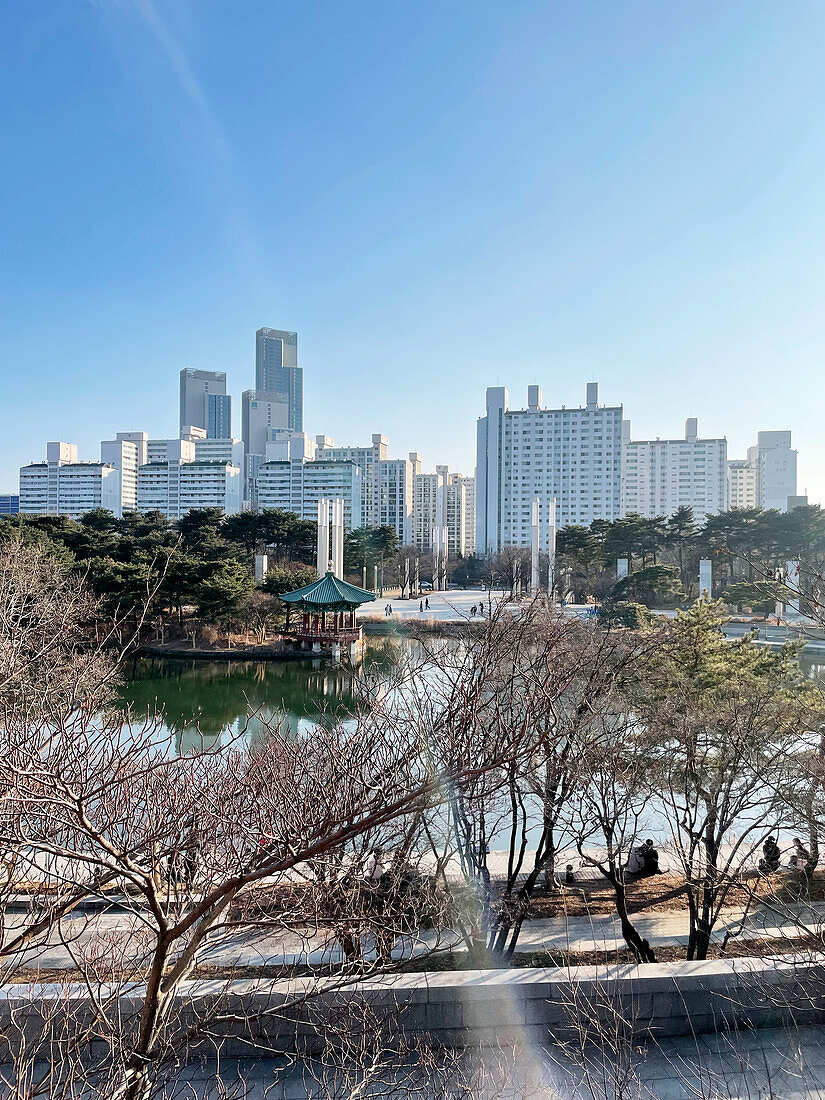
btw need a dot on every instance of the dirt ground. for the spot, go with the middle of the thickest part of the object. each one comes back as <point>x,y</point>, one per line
<point>664,894</point>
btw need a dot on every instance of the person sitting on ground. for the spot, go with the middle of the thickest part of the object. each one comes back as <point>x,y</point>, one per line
<point>569,874</point>
<point>771,856</point>
<point>650,859</point>
<point>635,861</point>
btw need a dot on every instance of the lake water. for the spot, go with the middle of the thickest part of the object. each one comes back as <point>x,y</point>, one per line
<point>199,700</point>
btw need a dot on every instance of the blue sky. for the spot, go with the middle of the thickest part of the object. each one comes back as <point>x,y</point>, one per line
<point>438,197</point>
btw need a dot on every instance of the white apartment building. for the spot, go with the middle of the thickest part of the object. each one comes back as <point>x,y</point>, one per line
<point>767,477</point>
<point>63,486</point>
<point>296,484</point>
<point>572,455</point>
<point>263,412</point>
<point>182,481</point>
<point>206,449</point>
<point>367,459</point>
<point>387,496</point>
<point>461,514</point>
<point>429,507</point>
<point>742,484</point>
<point>446,500</point>
<point>394,495</point>
<point>661,475</point>
<point>124,452</point>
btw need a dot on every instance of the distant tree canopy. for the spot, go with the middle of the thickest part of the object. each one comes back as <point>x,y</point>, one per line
<point>663,554</point>
<point>368,546</point>
<point>204,561</point>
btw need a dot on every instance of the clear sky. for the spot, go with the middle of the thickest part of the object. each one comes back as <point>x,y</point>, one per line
<point>438,197</point>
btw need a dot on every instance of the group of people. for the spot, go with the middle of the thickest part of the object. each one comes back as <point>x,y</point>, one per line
<point>424,605</point>
<point>388,609</point>
<point>643,861</point>
<point>772,856</point>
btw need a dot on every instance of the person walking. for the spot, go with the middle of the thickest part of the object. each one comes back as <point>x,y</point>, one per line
<point>420,606</point>
<point>427,604</point>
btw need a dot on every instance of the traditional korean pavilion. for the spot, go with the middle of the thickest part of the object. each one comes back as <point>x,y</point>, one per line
<point>327,612</point>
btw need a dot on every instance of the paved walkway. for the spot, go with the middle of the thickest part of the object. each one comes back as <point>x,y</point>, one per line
<point>781,1065</point>
<point>100,934</point>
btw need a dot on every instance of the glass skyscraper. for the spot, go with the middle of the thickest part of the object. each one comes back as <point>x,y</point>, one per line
<point>277,370</point>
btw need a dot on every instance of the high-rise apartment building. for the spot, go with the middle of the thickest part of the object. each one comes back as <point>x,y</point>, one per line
<point>429,507</point>
<point>742,487</point>
<point>206,449</point>
<point>63,486</point>
<point>124,453</point>
<point>661,475</point>
<point>277,371</point>
<point>368,460</point>
<point>297,483</point>
<point>263,413</point>
<point>446,500</point>
<point>767,477</point>
<point>394,495</point>
<point>461,514</point>
<point>571,455</point>
<point>387,483</point>
<point>204,402</point>
<point>776,469</point>
<point>181,481</point>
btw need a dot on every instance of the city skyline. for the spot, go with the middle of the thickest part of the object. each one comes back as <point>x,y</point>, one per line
<point>632,198</point>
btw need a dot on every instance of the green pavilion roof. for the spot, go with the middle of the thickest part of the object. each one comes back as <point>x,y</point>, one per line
<point>329,593</point>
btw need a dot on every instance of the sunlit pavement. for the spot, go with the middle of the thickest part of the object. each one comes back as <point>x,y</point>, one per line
<point>82,935</point>
<point>451,606</point>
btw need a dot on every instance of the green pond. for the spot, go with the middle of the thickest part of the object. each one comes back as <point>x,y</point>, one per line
<point>198,701</point>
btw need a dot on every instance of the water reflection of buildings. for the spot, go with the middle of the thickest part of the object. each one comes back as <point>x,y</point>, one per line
<point>206,703</point>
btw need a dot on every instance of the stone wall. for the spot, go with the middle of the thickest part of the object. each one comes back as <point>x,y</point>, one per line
<point>468,1008</point>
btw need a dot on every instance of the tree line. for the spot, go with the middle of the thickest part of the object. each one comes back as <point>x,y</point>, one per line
<point>747,547</point>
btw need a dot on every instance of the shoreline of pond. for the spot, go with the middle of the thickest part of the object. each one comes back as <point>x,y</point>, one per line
<point>275,652</point>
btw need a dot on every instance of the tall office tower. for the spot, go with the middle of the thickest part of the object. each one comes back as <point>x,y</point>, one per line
<point>63,486</point>
<point>571,455</point>
<point>262,413</point>
<point>204,402</point>
<point>9,504</point>
<point>742,487</point>
<point>277,370</point>
<point>296,483</point>
<point>367,459</point>
<point>767,477</point>
<point>181,481</point>
<point>661,475</point>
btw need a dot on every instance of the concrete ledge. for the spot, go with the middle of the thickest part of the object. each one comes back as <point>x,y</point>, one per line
<point>457,1009</point>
